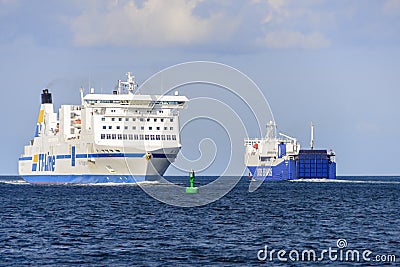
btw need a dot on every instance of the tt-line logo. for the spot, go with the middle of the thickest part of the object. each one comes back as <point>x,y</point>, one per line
<point>44,162</point>
<point>339,253</point>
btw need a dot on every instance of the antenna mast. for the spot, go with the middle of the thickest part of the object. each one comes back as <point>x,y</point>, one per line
<point>130,84</point>
<point>82,94</point>
<point>271,130</point>
<point>312,136</point>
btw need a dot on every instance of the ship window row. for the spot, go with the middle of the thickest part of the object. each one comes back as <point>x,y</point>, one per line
<point>134,102</point>
<point>167,103</point>
<point>167,137</point>
<point>141,119</point>
<point>158,128</point>
<point>251,142</point>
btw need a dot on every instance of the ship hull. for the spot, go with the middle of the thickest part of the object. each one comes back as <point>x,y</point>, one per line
<point>95,168</point>
<point>308,165</point>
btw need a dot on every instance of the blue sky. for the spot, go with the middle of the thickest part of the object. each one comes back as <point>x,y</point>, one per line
<point>336,63</point>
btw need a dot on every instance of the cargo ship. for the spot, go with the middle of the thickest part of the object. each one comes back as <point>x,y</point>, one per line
<point>120,137</point>
<point>279,157</point>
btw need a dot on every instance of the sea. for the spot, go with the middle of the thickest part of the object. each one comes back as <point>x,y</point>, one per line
<point>352,221</point>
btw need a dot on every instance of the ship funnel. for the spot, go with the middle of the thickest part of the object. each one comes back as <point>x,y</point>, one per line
<point>46,97</point>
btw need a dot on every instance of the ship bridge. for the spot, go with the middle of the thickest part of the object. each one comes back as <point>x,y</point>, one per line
<point>134,100</point>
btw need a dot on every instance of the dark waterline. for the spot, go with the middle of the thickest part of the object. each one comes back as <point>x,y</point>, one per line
<point>45,225</point>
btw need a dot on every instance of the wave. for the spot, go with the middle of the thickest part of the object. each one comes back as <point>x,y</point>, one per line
<point>344,181</point>
<point>144,183</point>
<point>18,182</point>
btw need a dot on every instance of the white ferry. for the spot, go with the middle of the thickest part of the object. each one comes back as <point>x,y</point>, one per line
<point>123,137</point>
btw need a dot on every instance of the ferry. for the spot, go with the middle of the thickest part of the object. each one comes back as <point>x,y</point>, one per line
<point>279,157</point>
<point>121,137</point>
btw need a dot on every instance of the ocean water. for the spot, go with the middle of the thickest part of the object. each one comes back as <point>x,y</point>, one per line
<point>60,225</point>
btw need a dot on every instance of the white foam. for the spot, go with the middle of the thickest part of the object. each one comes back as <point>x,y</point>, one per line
<point>120,184</point>
<point>344,181</point>
<point>13,182</point>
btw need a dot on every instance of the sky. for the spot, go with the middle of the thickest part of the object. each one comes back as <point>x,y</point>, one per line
<point>335,63</point>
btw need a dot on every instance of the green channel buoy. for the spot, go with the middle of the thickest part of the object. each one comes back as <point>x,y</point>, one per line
<point>192,189</point>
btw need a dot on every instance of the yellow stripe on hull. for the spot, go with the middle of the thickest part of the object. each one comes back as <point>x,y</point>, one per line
<point>41,116</point>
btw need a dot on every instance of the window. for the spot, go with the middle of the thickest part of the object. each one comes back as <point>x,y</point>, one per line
<point>146,137</point>
<point>126,127</point>
<point>163,137</point>
<point>113,136</point>
<point>119,136</point>
<point>131,137</point>
<point>152,137</point>
<point>110,127</point>
<point>157,137</point>
<point>171,128</point>
<point>150,128</point>
<point>142,128</point>
<point>125,136</point>
<point>168,137</point>
<point>118,127</point>
<point>108,136</point>
<point>104,127</point>
<point>173,137</point>
<point>126,119</point>
<point>103,136</point>
<point>133,119</point>
<point>148,119</point>
<point>103,119</point>
<point>113,119</point>
<point>136,136</point>
<point>158,128</point>
<point>141,119</point>
<point>162,120</point>
<point>165,128</point>
<point>133,127</point>
<point>155,120</point>
<point>171,120</point>
<point>141,136</point>
<point>119,119</point>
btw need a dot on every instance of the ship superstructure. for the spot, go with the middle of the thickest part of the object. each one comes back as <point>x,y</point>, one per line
<point>279,157</point>
<point>120,137</point>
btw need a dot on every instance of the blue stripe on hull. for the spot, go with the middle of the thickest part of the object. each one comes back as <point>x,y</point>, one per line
<point>25,158</point>
<point>87,179</point>
<point>108,155</point>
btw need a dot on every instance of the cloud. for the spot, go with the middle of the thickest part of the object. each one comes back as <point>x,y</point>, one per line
<point>391,7</point>
<point>293,24</point>
<point>158,23</point>
<point>277,10</point>
<point>154,23</point>
<point>292,39</point>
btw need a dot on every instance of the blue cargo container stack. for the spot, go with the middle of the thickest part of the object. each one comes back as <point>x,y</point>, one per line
<point>314,164</point>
